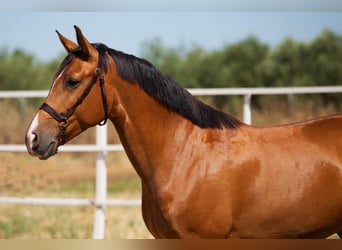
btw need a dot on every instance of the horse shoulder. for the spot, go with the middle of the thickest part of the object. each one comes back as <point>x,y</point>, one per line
<point>195,196</point>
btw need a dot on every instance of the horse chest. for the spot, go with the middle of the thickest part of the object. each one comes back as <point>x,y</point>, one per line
<point>156,217</point>
<point>196,216</point>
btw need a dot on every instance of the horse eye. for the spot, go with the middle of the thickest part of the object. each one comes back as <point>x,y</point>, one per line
<point>73,83</point>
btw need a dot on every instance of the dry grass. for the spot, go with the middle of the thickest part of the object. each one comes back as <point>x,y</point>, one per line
<point>66,175</point>
<point>44,222</point>
<point>279,111</point>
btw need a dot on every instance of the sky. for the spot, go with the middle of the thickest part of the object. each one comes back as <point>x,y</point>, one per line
<point>126,25</point>
<point>173,5</point>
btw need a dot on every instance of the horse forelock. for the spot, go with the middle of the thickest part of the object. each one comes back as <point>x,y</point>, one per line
<point>66,61</point>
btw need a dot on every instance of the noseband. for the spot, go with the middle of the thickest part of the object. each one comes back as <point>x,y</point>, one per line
<point>62,118</point>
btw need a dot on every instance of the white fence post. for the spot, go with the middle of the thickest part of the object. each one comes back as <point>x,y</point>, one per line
<point>101,184</point>
<point>247,113</point>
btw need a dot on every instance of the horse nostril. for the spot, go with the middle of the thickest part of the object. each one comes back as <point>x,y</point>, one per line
<point>34,139</point>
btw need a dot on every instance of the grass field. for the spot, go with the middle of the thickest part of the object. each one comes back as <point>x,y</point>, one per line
<point>23,176</point>
<point>73,174</point>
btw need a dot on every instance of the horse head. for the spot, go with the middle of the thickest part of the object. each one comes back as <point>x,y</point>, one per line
<point>76,101</point>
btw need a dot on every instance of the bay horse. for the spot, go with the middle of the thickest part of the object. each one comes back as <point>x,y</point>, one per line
<point>204,173</point>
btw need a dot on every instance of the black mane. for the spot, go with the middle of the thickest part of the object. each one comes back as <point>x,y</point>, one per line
<point>165,90</point>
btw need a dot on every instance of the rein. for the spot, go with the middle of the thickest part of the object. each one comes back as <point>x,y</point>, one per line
<point>62,118</point>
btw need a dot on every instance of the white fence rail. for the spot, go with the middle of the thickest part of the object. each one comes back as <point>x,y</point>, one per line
<point>102,147</point>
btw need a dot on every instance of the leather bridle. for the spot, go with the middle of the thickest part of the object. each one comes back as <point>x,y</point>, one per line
<point>63,118</point>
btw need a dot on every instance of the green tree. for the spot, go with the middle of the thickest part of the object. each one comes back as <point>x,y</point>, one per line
<point>21,71</point>
<point>326,59</point>
<point>288,64</point>
<point>326,63</point>
<point>167,60</point>
<point>241,64</point>
<point>13,68</point>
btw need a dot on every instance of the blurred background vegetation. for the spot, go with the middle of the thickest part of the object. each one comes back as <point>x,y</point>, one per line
<point>247,63</point>
<point>251,63</point>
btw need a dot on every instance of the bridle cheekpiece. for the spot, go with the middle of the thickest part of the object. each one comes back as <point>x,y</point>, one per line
<point>63,118</point>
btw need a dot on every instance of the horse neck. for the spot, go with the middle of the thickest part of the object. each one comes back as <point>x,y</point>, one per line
<point>147,130</point>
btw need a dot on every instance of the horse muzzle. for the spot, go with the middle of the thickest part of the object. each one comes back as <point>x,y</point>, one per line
<point>39,143</point>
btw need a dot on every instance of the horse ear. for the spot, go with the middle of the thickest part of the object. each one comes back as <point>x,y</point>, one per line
<point>88,49</point>
<point>68,45</point>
